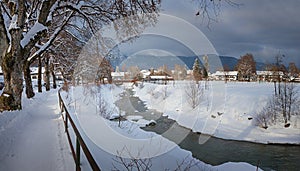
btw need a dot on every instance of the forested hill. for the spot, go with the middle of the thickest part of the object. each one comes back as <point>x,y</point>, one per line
<point>149,61</point>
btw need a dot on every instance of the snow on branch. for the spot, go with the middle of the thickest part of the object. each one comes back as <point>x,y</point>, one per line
<point>52,9</point>
<point>51,39</point>
<point>34,31</point>
<point>14,23</point>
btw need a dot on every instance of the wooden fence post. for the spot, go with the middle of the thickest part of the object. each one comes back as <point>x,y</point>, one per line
<point>77,155</point>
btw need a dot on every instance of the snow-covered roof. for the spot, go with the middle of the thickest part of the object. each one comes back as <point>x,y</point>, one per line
<point>189,71</point>
<point>145,72</point>
<point>117,74</point>
<point>267,73</point>
<point>160,77</point>
<point>222,73</point>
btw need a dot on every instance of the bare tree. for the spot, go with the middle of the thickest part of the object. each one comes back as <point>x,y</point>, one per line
<point>280,107</point>
<point>293,70</point>
<point>278,69</point>
<point>29,27</point>
<point>226,70</point>
<point>103,109</point>
<point>145,164</point>
<point>210,9</point>
<point>134,72</point>
<point>246,67</point>
<point>288,101</point>
<point>65,51</point>
<point>268,115</point>
<point>179,72</point>
<point>194,91</point>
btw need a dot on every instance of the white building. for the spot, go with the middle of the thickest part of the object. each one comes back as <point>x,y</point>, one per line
<point>221,75</point>
<point>117,75</point>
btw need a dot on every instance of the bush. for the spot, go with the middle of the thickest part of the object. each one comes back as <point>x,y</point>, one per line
<point>194,91</point>
<point>280,107</point>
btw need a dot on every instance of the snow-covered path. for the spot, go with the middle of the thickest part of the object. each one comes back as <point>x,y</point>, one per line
<point>34,138</point>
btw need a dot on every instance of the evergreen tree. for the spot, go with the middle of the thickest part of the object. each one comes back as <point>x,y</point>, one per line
<point>197,70</point>
<point>206,66</point>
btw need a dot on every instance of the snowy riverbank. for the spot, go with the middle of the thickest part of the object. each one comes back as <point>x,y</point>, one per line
<point>129,140</point>
<point>226,111</point>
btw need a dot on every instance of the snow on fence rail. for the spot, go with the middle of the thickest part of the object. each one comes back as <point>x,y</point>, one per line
<point>79,140</point>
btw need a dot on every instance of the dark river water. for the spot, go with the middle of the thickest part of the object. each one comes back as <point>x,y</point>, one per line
<point>216,151</point>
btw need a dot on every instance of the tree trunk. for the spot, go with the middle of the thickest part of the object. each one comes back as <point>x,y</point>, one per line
<point>28,81</point>
<point>47,74</point>
<point>3,38</point>
<point>275,89</point>
<point>53,75</point>
<point>11,98</point>
<point>279,88</point>
<point>40,89</point>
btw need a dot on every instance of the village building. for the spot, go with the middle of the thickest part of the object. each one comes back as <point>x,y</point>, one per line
<point>157,77</point>
<point>224,76</point>
<point>117,76</point>
<point>269,76</point>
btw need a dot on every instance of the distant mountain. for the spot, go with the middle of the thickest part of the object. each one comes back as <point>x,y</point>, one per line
<point>228,61</point>
<point>260,66</point>
<point>150,61</point>
<point>231,62</point>
<point>216,62</point>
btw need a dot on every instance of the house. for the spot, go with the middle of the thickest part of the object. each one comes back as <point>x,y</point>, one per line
<point>145,73</point>
<point>269,76</point>
<point>117,76</point>
<point>158,77</point>
<point>224,75</point>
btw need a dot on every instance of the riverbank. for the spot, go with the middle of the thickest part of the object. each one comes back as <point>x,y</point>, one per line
<point>130,141</point>
<point>226,111</point>
<point>267,157</point>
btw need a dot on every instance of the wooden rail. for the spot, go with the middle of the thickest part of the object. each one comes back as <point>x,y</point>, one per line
<point>80,144</point>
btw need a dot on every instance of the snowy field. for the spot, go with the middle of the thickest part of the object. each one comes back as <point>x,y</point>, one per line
<point>110,139</point>
<point>226,110</point>
<point>34,138</point>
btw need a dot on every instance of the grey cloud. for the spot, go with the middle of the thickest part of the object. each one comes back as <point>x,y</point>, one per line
<point>263,28</point>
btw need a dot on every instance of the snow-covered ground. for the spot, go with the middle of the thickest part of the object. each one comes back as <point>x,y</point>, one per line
<point>226,110</point>
<point>109,138</point>
<point>34,138</point>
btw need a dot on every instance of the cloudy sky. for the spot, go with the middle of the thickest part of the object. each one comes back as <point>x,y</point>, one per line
<point>263,28</point>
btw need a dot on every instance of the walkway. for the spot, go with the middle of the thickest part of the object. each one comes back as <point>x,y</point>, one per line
<point>34,138</point>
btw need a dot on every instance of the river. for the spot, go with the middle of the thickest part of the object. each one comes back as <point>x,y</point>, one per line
<point>215,151</point>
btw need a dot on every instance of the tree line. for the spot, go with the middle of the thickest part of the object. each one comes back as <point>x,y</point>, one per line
<point>33,30</point>
<point>53,31</point>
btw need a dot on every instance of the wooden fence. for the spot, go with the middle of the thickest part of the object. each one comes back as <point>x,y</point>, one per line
<point>80,144</point>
